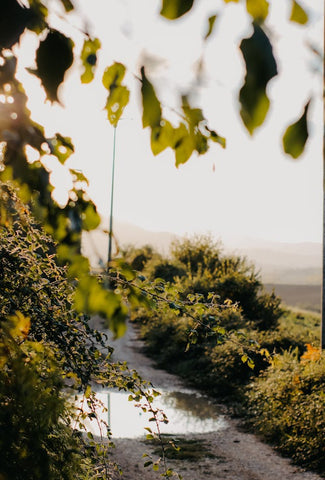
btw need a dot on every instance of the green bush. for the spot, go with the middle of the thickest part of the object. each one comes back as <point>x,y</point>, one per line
<point>230,277</point>
<point>138,257</point>
<point>165,269</point>
<point>37,441</point>
<point>287,405</point>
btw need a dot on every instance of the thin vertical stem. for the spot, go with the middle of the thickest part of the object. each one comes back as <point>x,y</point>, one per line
<point>322,336</point>
<point>110,238</point>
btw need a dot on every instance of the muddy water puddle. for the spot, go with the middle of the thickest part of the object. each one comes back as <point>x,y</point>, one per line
<point>187,413</point>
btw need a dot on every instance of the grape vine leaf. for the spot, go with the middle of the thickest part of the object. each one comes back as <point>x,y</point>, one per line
<point>260,69</point>
<point>151,116</point>
<point>54,57</point>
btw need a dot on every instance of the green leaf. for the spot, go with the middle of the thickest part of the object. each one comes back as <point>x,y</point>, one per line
<point>88,391</point>
<point>14,20</point>
<point>90,218</point>
<point>61,147</point>
<point>151,116</point>
<point>147,463</point>
<point>217,138</point>
<point>68,5</point>
<point>258,9</point>
<point>54,57</point>
<point>193,115</point>
<point>162,137</point>
<point>251,364</point>
<point>211,25</point>
<point>116,102</point>
<point>183,145</point>
<point>113,75</point>
<point>296,135</point>
<point>155,467</point>
<point>173,9</point>
<point>119,94</point>
<point>78,176</point>
<point>260,69</point>
<point>298,14</point>
<point>89,59</point>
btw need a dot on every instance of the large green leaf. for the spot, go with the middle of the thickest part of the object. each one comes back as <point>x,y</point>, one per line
<point>173,9</point>
<point>258,9</point>
<point>260,68</point>
<point>53,58</point>
<point>298,14</point>
<point>151,116</point>
<point>89,59</point>
<point>296,135</point>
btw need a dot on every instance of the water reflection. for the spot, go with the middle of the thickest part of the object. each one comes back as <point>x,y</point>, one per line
<point>187,413</point>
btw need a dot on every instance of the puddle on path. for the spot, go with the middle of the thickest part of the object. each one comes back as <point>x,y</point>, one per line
<point>186,412</point>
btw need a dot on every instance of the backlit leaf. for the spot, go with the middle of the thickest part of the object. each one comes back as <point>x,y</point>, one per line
<point>61,147</point>
<point>260,69</point>
<point>211,25</point>
<point>90,218</point>
<point>296,135</point>
<point>113,75</point>
<point>183,145</point>
<point>151,116</point>
<point>217,138</point>
<point>20,325</point>
<point>162,137</point>
<point>116,102</point>
<point>193,115</point>
<point>258,9</point>
<point>53,58</point>
<point>173,9</point>
<point>13,21</point>
<point>89,59</point>
<point>68,5</point>
<point>298,14</point>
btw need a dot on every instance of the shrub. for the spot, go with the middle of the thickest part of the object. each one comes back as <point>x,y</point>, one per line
<point>287,405</point>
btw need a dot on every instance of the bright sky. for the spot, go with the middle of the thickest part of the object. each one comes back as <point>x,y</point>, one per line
<point>251,189</point>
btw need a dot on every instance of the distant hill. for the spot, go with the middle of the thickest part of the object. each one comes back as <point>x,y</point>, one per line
<point>278,263</point>
<point>95,243</point>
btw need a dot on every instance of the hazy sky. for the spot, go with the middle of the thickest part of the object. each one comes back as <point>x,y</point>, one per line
<point>251,188</point>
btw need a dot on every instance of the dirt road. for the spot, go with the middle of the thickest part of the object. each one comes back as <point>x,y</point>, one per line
<point>228,454</point>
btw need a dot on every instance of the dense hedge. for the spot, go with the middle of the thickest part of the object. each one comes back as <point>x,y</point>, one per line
<point>287,405</point>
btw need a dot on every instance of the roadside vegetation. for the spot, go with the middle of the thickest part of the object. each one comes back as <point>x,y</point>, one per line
<point>267,365</point>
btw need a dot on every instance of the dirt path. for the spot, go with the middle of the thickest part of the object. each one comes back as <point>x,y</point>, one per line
<point>230,453</point>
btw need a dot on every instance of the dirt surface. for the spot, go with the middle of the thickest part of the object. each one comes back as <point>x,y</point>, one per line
<point>231,454</point>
